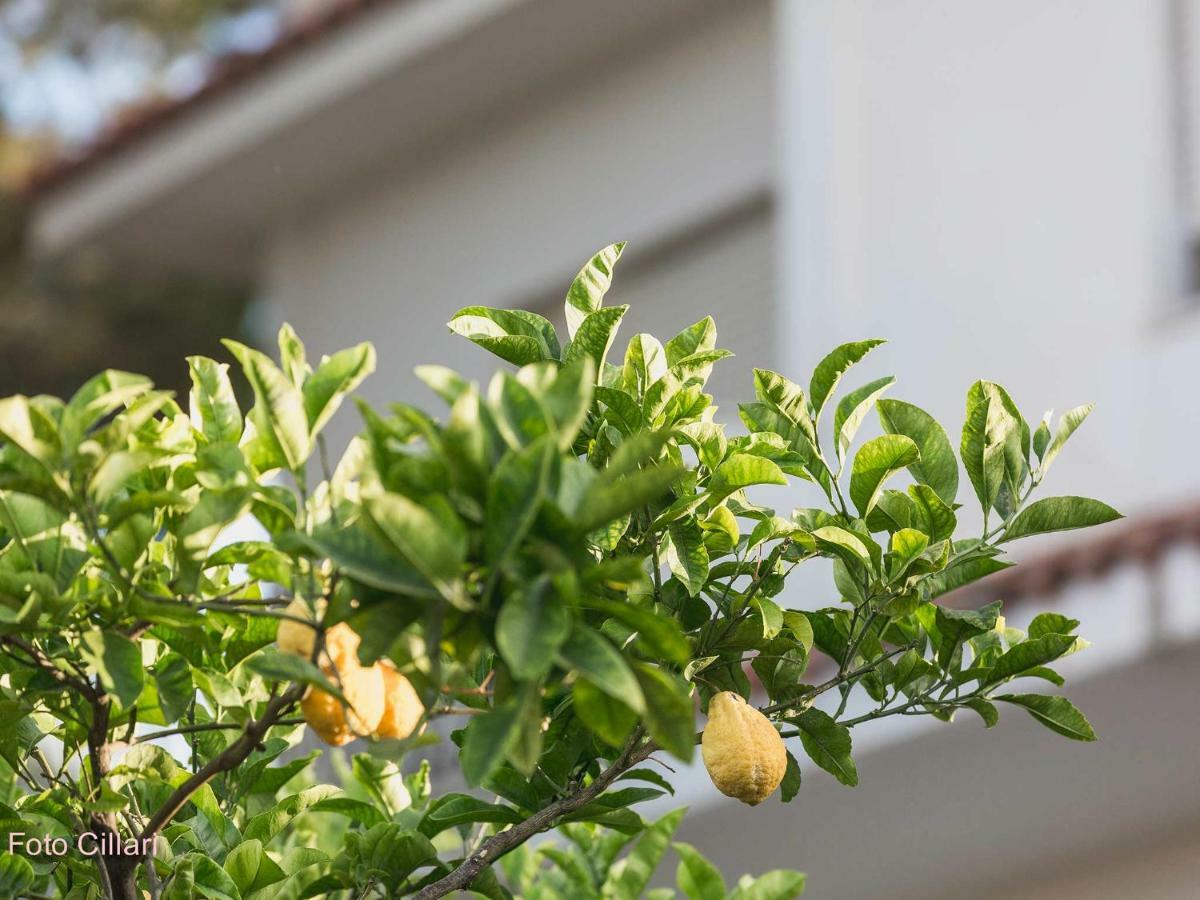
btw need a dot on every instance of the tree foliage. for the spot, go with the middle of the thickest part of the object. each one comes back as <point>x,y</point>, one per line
<point>567,560</point>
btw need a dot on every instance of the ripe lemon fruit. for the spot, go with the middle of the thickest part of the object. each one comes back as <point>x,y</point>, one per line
<point>402,710</point>
<point>338,724</point>
<point>363,687</point>
<point>295,637</point>
<point>744,754</point>
<point>341,641</point>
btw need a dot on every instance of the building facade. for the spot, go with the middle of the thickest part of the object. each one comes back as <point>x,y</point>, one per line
<point>1003,190</point>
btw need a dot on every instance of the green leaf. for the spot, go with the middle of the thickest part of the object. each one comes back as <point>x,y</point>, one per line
<point>659,632</point>
<point>531,627</point>
<point>278,413</point>
<point>1056,713</point>
<point>99,397</point>
<point>668,716</point>
<point>990,440</point>
<point>275,665</point>
<point>609,718</point>
<point>173,679</point>
<point>355,810</point>
<point>622,411</point>
<point>431,538</point>
<point>645,363</point>
<point>877,461</point>
<point>214,406</point>
<point>489,738</point>
<point>16,875</point>
<point>266,825</point>
<point>117,662</point>
<point>828,744</point>
<point>844,544</point>
<point>1058,514</point>
<point>907,545</point>
<point>362,554</point>
<point>791,780</point>
<point>958,625</point>
<point>586,294</point>
<point>516,490</point>
<point>628,879</point>
<point>597,660</point>
<point>1070,421</point>
<point>212,881</point>
<point>931,514</point>
<point>987,711</point>
<point>1030,654</point>
<point>937,466</point>
<point>614,495</point>
<point>1051,623</point>
<point>853,409</point>
<point>783,396</point>
<point>960,573</point>
<point>291,355</point>
<point>696,877</point>
<point>333,379</point>
<point>452,810</point>
<point>567,397</point>
<point>250,868</point>
<point>778,884</point>
<point>443,381</point>
<point>742,470</point>
<point>696,338</point>
<point>595,335</point>
<point>514,335</point>
<point>1041,437</point>
<point>829,371</point>
<point>686,555</point>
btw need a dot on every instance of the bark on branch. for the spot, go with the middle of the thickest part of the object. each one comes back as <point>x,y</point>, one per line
<point>497,845</point>
<point>228,759</point>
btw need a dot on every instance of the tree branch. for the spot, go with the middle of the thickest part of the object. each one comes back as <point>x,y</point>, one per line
<point>840,678</point>
<point>40,660</point>
<point>497,845</point>
<point>204,726</point>
<point>228,759</point>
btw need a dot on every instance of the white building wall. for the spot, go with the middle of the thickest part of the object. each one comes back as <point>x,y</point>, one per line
<point>669,148</point>
<point>990,186</point>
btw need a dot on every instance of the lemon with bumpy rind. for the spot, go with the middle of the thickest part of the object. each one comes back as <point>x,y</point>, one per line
<point>403,710</point>
<point>336,723</point>
<point>744,754</point>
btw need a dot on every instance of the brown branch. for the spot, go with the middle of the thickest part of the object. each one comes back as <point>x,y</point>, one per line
<point>497,845</point>
<point>204,726</point>
<point>835,681</point>
<point>227,760</point>
<point>44,663</point>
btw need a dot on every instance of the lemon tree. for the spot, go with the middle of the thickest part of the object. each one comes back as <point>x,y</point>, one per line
<point>573,564</point>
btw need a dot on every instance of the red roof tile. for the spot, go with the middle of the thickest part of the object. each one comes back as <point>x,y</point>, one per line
<point>1141,541</point>
<point>229,74</point>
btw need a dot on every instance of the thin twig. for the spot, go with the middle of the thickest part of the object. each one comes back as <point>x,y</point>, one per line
<point>205,726</point>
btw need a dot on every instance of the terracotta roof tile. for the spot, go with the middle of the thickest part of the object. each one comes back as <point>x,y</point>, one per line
<point>228,74</point>
<point>1142,541</point>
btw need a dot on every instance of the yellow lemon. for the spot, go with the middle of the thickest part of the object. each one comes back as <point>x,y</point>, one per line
<point>742,751</point>
<point>295,637</point>
<point>324,714</point>
<point>402,709</point>
<point>336,724</point>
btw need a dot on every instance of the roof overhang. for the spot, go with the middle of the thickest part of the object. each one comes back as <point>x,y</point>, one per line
<point>200,191</point>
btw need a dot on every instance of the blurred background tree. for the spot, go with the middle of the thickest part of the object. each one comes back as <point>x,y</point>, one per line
<point>70,71</point>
